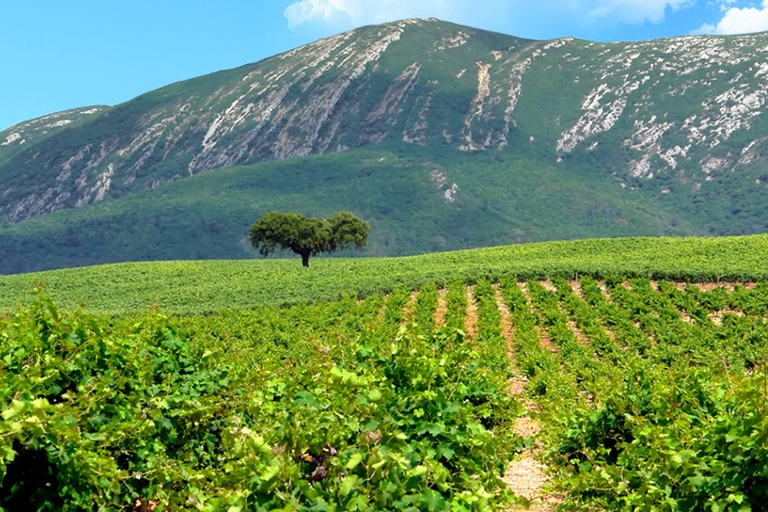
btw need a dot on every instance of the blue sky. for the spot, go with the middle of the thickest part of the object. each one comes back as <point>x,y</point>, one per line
<point>57,54</point>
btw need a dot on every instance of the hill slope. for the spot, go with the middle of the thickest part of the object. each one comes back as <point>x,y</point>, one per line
<point>514,140</point>
<point>412,203</point>
<point>190,287</point>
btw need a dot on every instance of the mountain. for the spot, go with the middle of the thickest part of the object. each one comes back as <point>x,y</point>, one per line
<point>443,136</point>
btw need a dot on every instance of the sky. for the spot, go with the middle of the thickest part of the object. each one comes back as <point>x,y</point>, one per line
<point>61,54</point>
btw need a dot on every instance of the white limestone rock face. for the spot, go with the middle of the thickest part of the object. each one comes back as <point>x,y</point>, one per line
<point>651,83</point>
<point>688,107</point>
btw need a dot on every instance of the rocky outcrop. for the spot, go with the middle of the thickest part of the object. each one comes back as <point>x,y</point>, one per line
<point>693,106</point>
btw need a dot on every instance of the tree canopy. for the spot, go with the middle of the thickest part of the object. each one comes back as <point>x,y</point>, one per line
<point>308,236</point>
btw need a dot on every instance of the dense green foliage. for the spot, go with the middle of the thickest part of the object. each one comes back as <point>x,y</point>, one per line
<point>325,407</point>
<point>38,130</point>
<point>651,394</point>
<point>659,402</point>
<point>194,287</point>
<point>308,236</point>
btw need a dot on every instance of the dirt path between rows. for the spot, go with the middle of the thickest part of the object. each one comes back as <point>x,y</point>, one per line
<point>470,320</point>
<point>525,476</point>
<point>409,312</point>
<point>507,330</point>
<point>442,308</point>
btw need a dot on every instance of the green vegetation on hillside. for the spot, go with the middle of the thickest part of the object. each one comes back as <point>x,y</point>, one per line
<point>443,137</point>
<point>205,286</point>
<point>23,135</point>
<point>499,200</point>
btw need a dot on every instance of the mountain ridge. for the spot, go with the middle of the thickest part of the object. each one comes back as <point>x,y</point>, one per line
<point>673,126</point>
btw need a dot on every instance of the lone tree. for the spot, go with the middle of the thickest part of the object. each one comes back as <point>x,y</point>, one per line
<point>308,236</point>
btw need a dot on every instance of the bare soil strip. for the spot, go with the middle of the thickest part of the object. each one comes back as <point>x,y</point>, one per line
<point>604,291</point>
<point>470,321</point>
<point>516,383</point>
<point>545,341</point>
<point>717,316</point>
<point>728,285</point>
<point>409,311</point>
<point>506,322</point>
<point>708,287</point>
<point>529,477</point>
<point>525,476</point>
<point>576,287</point>
<point>441,309</point>
<point>581,338</point>
<point>548,286</point>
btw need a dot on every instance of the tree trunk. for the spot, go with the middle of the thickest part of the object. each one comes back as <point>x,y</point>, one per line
<point>305,259</point>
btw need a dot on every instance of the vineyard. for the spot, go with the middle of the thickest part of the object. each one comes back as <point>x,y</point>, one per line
<point>203,287</point>
<point>592,393</point>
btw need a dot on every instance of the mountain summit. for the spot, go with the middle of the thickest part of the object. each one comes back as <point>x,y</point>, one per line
<point>480,128</point>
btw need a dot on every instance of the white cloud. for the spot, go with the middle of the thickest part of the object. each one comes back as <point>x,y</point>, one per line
<point>484,13</point>
<point>705,29</point>
<point>737,20</point>
<point>307,11</point>
<point>364,12</point>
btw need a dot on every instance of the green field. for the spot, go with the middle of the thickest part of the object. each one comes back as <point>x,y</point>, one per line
<point>207,286</point>
<point>393,384</point>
